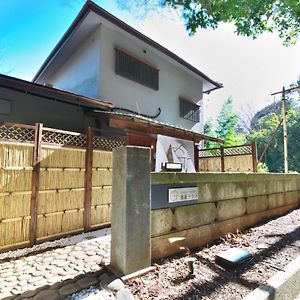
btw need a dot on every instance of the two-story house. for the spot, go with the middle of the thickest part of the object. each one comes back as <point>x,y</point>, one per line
<point>102,57</point>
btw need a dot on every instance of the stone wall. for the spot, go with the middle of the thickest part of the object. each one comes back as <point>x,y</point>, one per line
<point>226,202</point>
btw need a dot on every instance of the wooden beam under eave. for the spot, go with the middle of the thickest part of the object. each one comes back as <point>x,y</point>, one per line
<point>140,125</point>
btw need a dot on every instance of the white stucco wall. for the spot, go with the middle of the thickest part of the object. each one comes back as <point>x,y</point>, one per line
<point>173,81</point>
<point>80,72</point>
<point>90,71</point>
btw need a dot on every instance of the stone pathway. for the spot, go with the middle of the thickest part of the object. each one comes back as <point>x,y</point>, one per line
<point>57,273</point>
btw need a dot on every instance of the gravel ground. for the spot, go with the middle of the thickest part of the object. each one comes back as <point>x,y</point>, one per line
<point>92,293</point>
<point>273,245</point>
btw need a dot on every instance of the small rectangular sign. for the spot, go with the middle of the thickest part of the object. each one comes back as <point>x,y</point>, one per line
<point>183,194</point>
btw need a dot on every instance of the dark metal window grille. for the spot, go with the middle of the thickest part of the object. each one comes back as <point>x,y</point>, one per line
<point>136,70</point>
<point>189,110</point>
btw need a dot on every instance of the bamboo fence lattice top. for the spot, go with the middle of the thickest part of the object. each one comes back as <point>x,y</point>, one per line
<point>227,151</point>
<point>26,133</point>
<point>19,133</point>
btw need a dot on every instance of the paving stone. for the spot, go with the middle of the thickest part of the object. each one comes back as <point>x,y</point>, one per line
<point>124,294</point>
<point>41,267</point>
<point>47,254</point>
<point>62,272</point>
<point>30,258</point>
<point>87,281</point>
<point>94,258</point>
<point>10,283</point>
<point>50,275</point>
<point>30,270</point>
<point>41,273</point>
<point>28,287</point>
<point>49,295</point>
<point>69,289</point>
<point>52,268</point>
<point>35,279</point>
<point>7,274</point>
<point>11,278</point>
<point>21,269</point>
<point>39,259</point>
<point>72,259</point>
<point>54,279</point>
<point>69,249</point>
<point>22,282</point>
<point>20,262</point>
<point>6,265</point>
<point>59,263</point>
<point>48,259</point>
<point>60,251</point>
<point>91,253</point>
<point>101,252</point>
<point>80,255</point>
<point>16,290</point>
<point>78,248</point>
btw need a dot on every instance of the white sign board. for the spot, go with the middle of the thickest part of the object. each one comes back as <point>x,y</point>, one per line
<point>183,194</point>
<point>172,150</point>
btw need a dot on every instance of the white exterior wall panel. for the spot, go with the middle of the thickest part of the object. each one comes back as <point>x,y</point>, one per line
<point>90,71</point>
<point>80,73</point>
<point>122,92</point>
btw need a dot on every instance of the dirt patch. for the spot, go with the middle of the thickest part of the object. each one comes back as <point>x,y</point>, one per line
<point>273,245</point>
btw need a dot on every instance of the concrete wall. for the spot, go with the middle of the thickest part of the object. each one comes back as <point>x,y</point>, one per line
<point>80,73</point>
<point>29,109</point>
<point>226,202</point>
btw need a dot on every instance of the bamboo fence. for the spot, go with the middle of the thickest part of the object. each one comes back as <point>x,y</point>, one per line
<point>52,183</point>
<point>229,159</point>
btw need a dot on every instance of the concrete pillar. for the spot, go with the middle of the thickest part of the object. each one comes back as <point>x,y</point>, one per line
<point>130,220</point>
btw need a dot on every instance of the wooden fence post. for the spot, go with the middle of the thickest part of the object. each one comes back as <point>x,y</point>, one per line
<point>88,179</point>
<point>35,182</point>
<point>222,159</point>
<point>196,157</point>
<point>254,156</point>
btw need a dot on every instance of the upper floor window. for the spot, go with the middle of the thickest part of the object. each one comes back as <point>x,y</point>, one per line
<point>189,110</point>
<point>136,70</point>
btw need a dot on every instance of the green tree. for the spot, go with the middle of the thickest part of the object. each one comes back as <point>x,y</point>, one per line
<point>226,128</point>
<point>264,124</point>
<point>210,131</point>
<point>262,133</point>
<point>274,155</point>
<point>227,122</point>
<point>250,17</point>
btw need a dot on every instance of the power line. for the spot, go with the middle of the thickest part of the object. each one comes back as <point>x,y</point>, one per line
<point>290,90</point>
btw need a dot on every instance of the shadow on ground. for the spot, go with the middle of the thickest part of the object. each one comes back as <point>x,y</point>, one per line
<point>207,287</point>
<point>64,289</point>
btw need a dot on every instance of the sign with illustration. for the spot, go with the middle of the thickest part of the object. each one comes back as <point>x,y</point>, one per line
<point>172,150</point>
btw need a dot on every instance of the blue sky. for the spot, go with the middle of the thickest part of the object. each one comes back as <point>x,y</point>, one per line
<point>249,69</point>
<point>30,29</point>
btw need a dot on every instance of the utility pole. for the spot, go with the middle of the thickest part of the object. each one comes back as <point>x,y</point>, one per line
<point>285,133</point>
<point>284,115</point>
